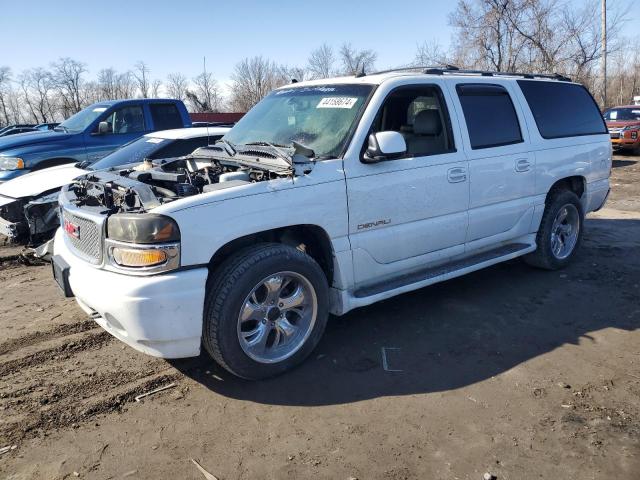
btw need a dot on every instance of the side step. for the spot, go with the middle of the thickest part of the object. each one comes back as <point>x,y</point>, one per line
<point>446,269</point>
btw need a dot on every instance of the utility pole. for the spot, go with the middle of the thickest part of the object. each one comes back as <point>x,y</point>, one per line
<point>604,53</point>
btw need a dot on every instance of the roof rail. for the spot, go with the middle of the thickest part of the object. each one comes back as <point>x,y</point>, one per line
<point>487,73</point>
<point>416,67</point>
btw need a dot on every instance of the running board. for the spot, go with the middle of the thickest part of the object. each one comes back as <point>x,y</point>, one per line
<point>449,269</point>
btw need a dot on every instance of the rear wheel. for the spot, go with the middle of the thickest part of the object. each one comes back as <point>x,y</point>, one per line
<point>265,310</point>
<point>560,232</point>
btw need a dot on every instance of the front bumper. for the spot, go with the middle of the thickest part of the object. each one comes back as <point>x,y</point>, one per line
<point>630,143</point>
<point>160,315</point>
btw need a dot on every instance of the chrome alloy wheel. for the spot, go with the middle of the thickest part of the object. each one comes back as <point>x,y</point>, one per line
<point>565,231</point>
<point>277,317</point>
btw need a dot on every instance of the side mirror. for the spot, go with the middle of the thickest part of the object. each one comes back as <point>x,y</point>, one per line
<point>103,127</point>
<point>385,146</point>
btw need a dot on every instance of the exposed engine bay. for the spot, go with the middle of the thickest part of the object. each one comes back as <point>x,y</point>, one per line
<point>141,187</point>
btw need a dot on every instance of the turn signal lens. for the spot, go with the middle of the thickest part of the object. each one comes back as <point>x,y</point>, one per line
<point>133,257</point>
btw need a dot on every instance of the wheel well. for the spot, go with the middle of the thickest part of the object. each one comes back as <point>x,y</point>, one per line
<point>574,184</point>
<point>311,239</point>
<point>52,162</point>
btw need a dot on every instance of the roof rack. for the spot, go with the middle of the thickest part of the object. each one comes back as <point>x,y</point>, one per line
<point>487,73</point>
<point>411,68</point>
<point>453,70</point>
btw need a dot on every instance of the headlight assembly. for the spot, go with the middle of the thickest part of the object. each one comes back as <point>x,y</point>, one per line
<point>142,243</point>
<point>142,228</point>
<point>11,163</point>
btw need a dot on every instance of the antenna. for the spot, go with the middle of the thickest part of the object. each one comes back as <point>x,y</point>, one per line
<point>361,73</point>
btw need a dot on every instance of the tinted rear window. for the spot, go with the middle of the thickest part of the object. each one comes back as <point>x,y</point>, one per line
<point>490,116</point>
<point>562,109</point>
<point>165,116</point>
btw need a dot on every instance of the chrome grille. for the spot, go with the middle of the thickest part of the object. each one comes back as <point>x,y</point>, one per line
<point>88,242</point>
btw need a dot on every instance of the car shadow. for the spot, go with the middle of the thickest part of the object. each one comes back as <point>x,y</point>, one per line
<point>458,332</point>
<point>623,163</point>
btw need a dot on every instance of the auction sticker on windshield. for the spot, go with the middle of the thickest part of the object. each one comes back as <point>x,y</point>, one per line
<point>337,102</point>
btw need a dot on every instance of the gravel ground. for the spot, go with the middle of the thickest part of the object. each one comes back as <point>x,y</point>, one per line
<point>522,373</point>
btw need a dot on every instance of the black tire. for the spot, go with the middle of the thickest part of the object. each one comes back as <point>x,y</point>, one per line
<point>226,292</point>
<point>543,256</point>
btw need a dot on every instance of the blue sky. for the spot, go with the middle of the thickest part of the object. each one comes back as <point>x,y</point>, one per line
<point>173,36</point>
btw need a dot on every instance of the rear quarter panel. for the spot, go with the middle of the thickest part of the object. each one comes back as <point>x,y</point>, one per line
<point>588,156</point>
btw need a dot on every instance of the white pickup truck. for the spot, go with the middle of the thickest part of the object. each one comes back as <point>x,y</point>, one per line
<point>327,196</point>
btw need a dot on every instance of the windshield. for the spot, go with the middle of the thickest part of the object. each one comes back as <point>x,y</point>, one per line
<point>319,117</point>
<point>622,114</point>
<point>81,120</point>
<point>132,152</point>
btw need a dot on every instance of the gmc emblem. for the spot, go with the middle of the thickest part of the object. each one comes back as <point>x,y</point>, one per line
<point>72,229</point>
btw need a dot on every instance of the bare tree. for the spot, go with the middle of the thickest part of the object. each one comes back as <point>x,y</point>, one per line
<point>486,37</point>
<point>353,60</point>
<point>141,76</point>
<point>107,83</point>
<point>252,79</point>
<point>430,53</point>
<point>156,86</point>
<point>321,62</point>
<point>68,76</point>
<point>37,86</point>
<point>177,86</point>
<point>205,95</point>
<point>299,74</point>
<point>545,36</point>
<point>5,93</point>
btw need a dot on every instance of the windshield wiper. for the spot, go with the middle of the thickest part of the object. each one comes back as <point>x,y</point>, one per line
<point>62,128</point>
<point>230,147</point>
<point>276,148</point>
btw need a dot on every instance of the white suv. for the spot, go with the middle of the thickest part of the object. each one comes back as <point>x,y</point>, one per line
<point>327,196</point>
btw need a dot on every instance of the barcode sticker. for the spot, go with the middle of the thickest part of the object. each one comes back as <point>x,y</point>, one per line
<point>337,102</point>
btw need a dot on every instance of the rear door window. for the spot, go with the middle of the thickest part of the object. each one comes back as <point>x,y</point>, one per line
<point>562,109</point>
<point>490,115</point>
<point>165,116</point>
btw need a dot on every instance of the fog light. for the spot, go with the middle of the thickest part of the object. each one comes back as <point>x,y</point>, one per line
<point>133,257</point>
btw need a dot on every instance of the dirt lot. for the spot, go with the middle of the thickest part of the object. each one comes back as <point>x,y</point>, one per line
<point>522,373</point>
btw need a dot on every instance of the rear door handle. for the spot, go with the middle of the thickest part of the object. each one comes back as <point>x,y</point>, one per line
<point>523,165</point>
<point>456,175</point>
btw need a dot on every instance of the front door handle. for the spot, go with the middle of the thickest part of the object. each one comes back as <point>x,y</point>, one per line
<point>523,165</point>
<point>457,175</point>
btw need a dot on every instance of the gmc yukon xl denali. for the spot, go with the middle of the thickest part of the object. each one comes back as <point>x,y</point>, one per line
<point>327,196</point>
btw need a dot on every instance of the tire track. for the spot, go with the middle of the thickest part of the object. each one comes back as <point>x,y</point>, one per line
<point>59,353</point>
<point>42,336</point>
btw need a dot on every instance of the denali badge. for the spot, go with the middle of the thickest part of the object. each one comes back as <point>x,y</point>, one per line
<point>377,223</point>
<point>72,229</point>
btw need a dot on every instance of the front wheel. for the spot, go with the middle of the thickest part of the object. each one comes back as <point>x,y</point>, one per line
<point>265,311</point>
<point>560,232</point>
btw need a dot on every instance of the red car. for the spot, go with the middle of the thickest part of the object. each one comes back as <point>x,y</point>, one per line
<point>624,127</point>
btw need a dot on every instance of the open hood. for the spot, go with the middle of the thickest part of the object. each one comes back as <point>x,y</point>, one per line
<point>40,181</point>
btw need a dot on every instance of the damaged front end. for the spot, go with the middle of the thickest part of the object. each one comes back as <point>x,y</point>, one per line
<point>108,216</point>
<point>30,220</point>
<point>141,188</point>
